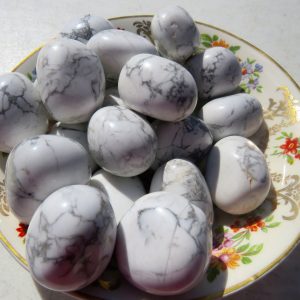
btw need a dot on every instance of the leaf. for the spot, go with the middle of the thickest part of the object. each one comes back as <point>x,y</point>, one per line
<point>247,235</point>
<point>284,133</point>
<point>250,61</point>
<point>246,260</point>
<point>274,224</point>
<point>280,138</point>
<point>269,218</point>
<point>291,135</point>
<point>259,88</point>
<point>264,229</point>
<point>245,88</point>
<point>206,37</point>
<point>234,49</point>
<point>206,44</point>
<point>254,250</point>
<point>238,235</point>
<point>242,248</point>
<point>212,273</point>
<point>215,37</point>
<point>290,159</point>
<point>256,74</point>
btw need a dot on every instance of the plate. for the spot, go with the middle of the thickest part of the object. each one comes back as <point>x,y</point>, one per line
<point>245,247</point>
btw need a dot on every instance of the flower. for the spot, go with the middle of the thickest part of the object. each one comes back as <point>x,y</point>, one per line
<point>236,226</point>
<point>229,257</point>
<point>220,43</point>
<point>221,241</point>
<point>290,146</point>
<point>22,229</point>
<point>227,241</point>
<point>254,224</point>
<point>252,83</point>
<point>217,263</point>
<point>246,69</point>
<point>258,68</point>
<point>297,156</point>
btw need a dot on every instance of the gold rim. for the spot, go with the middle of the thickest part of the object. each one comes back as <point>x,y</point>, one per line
<point>197,22</point>
<point>226,32</point>
<point>235,287</point>
<point>27,57</point>
<point>13,251</point>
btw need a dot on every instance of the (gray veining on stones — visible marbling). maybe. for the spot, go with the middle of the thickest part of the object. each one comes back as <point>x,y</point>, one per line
<point>121,142</point>
<point>71,238</point>
<point>70,79</point>
<point>22,114</point>
<point>181,177</point>
<point>158,87</point>
<point>40,165</point>
<point>115,47</point>
<point>216,71</point>
<point>189,139</point>
<point>175,33</point>
<point>84,28</point>
<point>237,175</point>
<point>239,114</point>
<point>163,244</point>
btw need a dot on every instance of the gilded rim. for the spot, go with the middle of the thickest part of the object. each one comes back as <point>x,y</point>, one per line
<point>233,288</point>
<point>13,251</point>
